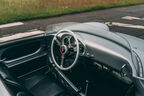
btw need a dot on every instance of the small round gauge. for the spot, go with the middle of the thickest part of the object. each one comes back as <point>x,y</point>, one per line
<point>66,41</point>
<point>72,40</point>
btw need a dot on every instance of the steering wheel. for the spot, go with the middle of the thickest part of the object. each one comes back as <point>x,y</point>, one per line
<point>64,50</point>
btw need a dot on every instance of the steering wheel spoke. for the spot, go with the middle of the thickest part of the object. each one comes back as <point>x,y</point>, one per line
<point>62,61</point>
<point>57,40</point>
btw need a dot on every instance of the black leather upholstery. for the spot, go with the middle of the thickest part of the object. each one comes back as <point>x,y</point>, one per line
<point>11,81</point>
<point>43,85</point>
<point>4,72</point>
<point>22,93</point>
<point>46,87</point>
<point>35,85</point>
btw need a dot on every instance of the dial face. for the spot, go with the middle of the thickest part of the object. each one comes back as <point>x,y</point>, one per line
<point>72,40</point>
<point>69,41</point>
<point>66,41</point>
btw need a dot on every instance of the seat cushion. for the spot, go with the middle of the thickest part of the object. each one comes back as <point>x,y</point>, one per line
<point>39,84</point>
<point>32,80</point>
<point>44,85</point>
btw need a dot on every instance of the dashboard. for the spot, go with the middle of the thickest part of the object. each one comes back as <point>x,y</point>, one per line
<point>98,48</point>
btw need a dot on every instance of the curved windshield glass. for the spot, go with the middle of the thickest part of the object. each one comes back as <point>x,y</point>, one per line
<point>56,27</point>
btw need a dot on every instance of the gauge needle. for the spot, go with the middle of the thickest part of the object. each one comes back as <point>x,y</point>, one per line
<point>62,60</point>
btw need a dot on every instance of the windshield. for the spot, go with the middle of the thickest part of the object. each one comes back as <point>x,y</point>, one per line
<point>56,27</point>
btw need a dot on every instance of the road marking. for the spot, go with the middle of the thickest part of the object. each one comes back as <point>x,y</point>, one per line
<point>132,18</point>
<point>20,35</point>
<point>124,25</point>
<point>11,24</point>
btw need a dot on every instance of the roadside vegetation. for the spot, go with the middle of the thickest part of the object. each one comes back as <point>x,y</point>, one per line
<point>16,10</point>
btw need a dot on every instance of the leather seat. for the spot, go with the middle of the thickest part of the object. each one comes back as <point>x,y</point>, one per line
<point>34,85</point>
<point>16,88</point>
<point>43,85</point>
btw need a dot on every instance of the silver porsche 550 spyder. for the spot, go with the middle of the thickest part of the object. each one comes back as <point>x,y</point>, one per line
<point>72,59</point>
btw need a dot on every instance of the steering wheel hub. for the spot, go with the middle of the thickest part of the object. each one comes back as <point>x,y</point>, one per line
<point>63,49</point>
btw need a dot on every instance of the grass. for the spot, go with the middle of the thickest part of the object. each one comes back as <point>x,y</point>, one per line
<point>18,10</point>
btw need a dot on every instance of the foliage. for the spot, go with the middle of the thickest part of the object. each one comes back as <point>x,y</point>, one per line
<point>16,10</point>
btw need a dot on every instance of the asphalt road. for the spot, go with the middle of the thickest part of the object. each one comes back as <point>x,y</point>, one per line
<point>128,20</point>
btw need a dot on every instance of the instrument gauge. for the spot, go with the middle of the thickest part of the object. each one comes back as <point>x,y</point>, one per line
<point>72,41</point>
<point>66,41</point>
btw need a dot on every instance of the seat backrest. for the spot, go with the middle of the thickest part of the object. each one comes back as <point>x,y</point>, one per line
<point>12,82</point>
<point>4,72</point>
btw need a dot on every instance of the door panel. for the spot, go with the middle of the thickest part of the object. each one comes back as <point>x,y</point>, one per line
<point>29,66</point>
<point>24,55</point>
<point>21,50</point>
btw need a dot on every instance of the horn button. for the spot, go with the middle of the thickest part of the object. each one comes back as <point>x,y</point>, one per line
<point>63,49</point>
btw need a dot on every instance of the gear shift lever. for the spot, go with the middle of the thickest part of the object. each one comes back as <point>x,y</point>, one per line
<point>86,88</point>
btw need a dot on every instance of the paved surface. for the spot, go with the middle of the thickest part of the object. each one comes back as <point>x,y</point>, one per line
<point>109,15</point>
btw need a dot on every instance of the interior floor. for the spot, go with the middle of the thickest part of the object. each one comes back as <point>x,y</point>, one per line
<point>106,84</point>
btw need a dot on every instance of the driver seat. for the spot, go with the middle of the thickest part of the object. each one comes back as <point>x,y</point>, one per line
<point>35,85</point>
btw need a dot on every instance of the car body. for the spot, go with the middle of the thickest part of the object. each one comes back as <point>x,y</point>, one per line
<point>102,56</point>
